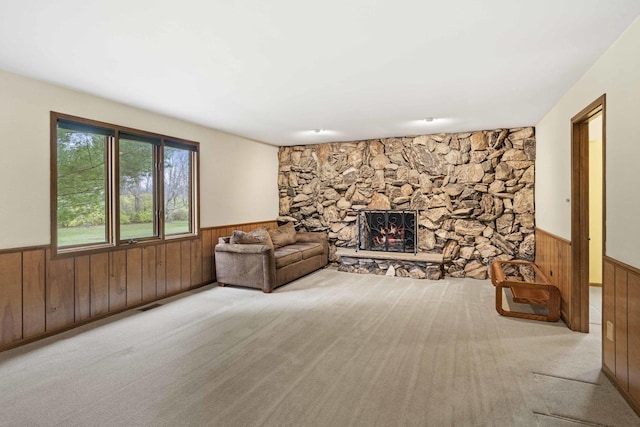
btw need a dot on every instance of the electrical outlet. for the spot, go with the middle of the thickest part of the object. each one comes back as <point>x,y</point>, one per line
<point>609,330</point>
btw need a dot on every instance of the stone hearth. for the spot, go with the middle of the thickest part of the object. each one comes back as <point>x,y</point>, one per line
<point>418,266</point>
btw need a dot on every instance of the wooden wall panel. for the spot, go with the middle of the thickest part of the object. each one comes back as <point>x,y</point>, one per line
<point>563,266</point>
<point>33,285</point>
<point>117,280</point>
<point>621,305</point>
<point>633,304</point>
<point>161,271</point>
<point>185,259</point>
<point>59,293</point>
<point>10,297</point>
<point>196,262</point>
<point>99,284</point>
<point>608,315</point>
<point>207,256</point>
<point>174,266</point>
<point>553,256</point>
<point>556,273</point>
<point>148,273</point>
<point>82,288</point>
<point>622,371</point>
<point>134,277</point>
<point>215,236</point>
<point>39,295</point>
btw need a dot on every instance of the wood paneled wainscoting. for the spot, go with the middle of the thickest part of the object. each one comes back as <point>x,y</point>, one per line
<point>621,328</point>
<point>40,296</point>
<point>553,256</point>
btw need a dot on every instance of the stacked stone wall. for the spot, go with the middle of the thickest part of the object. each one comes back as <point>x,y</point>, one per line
<point>474,192</point>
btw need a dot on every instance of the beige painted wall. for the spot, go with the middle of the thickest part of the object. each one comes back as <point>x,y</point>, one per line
<point>238,179</point>
<point>616,74</point>
<point>595,200</point>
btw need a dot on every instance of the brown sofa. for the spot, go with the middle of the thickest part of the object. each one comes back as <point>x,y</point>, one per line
<point>265,265</point>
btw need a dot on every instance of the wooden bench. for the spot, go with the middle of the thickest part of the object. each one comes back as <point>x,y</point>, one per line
<point>536,290</point>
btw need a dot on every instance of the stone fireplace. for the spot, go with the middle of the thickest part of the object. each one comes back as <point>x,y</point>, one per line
<point>387,230</point>
<point>472,194</point>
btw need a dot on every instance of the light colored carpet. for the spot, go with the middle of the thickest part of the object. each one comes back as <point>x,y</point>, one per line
<point>331,349</point>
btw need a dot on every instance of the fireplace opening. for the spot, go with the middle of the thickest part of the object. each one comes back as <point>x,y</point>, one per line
<point>387,230</point>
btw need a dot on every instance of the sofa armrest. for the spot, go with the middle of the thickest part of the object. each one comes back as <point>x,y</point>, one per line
<point>249,265</point>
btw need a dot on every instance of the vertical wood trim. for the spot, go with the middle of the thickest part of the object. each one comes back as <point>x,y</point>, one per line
<point>185,259</point>
<point>196,262</point>
<point>622,351</point>
<point>59,293</point>
<point>53,178</point>
<point>564,259</point>
<point>10,298</point>
<point>608,314</point>
<point>580,222</point>
<point>149,273</point>
<point>215,235</point>
<point>134,276</point>
<point>174,266</point>
<point>633,330</point>
<point>583,289</point>
<point>207,256</point>
<point>33,285</point>
<point>117,280</point>
<point>82,288</point>
<point>161,271</point>
<point>554,258</point>
<point>99,284</point>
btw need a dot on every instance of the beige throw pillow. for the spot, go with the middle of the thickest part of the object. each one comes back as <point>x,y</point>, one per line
<point>283,235</point>
<point>259,236</point>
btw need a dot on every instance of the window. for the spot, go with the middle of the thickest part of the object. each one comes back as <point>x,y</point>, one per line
<point>115,186</point>
<point>178,209</point>
<point>138,177</point>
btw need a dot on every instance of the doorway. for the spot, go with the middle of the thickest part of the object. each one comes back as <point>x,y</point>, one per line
<point>587,208</point>
<point>595,219</point>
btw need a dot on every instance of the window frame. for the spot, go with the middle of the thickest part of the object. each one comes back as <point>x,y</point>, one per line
<point>112,188</point>
<point>194,177</point>
<point>157,144</point>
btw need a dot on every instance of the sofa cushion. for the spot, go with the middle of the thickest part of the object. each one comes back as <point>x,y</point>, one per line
<point>283,235</point>
<point>287,255</point>
<point>308,249</point>
<point>259,236</point>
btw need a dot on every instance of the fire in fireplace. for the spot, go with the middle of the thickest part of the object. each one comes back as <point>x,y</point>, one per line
<point>387,230</point>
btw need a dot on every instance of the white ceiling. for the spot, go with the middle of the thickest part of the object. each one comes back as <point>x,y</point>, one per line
<point>274,70</point>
